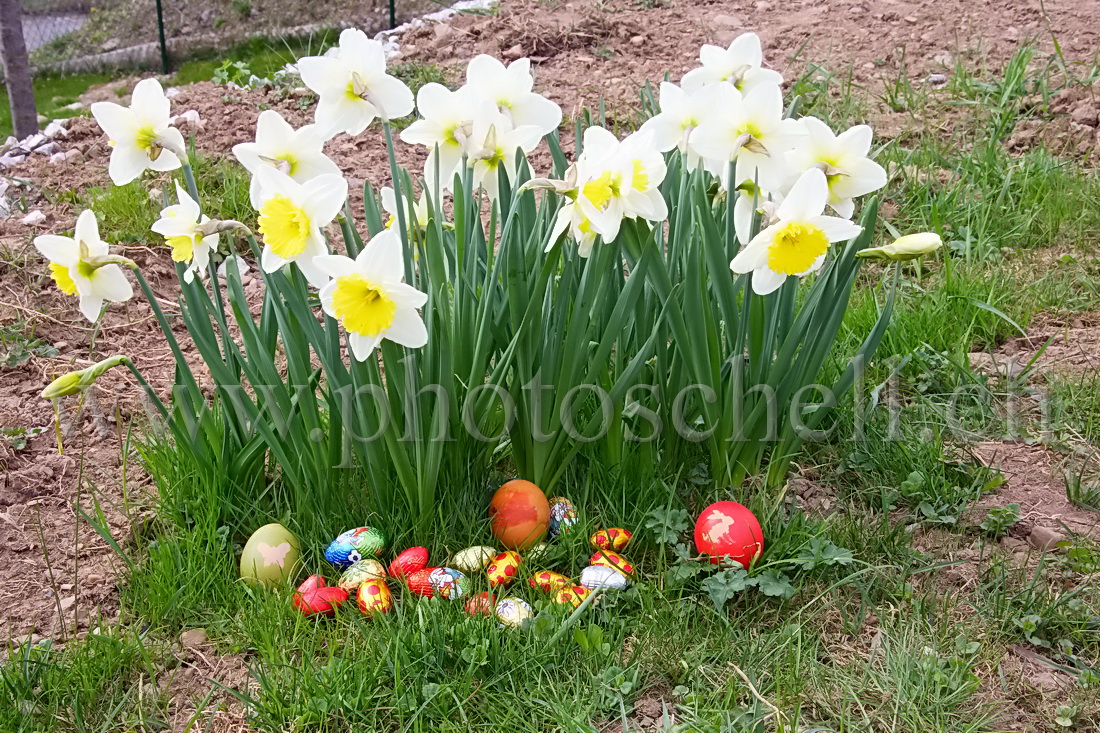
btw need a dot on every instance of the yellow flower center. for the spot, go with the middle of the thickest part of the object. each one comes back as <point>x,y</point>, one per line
<point>291,160</point>
<point>795,248</point>
<point>362,306</point>
<point>640,181</point>
<point>601,190</point>
<point>64,280</point>
<point>183,247</point>
<point>147,141</point>
<point>284,226</point>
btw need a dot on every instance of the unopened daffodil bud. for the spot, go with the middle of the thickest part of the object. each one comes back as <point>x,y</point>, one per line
<point>909,247</point>
<point>76,382</point>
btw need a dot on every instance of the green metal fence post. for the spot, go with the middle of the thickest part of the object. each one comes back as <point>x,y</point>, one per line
<point>163,45</point>
<point>393,14</point>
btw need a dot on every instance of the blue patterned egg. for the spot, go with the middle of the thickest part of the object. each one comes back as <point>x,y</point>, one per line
<point>354,545</point>
<point>563,515</point>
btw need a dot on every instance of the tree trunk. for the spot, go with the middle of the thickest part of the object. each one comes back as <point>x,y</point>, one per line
<point>17,72</point>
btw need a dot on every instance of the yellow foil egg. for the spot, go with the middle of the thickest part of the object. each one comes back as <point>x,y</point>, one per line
<point>374,597</point>
<point>473,560</point>
<point>503,568</point>
<point>359,573</point>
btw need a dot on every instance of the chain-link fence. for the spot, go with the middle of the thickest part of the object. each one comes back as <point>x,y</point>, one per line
<point>74,36</point>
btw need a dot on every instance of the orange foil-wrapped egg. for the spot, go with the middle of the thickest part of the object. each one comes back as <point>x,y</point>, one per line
<point>572,594</point>
<point>613,560</point>
<point>481,604</point>
<point>374,597</point>
<point>615,538</point>
<point>503,568</point>
<point>548,580</point>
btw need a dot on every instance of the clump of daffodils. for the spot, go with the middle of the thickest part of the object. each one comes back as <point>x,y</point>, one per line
<point>795,181</point>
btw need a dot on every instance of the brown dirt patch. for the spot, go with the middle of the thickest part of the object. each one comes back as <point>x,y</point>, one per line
<point>1070,127</point>
<point>1074,347</point>
<point>1034,481</point>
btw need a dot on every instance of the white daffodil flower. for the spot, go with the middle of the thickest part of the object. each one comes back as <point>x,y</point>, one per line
<point>141,136</point>
<point>389,205</point>
<point>842,158</point>
<point>368,297</point>
<point>493,145</point>
<point>613,180</point>
<point>681,112</point>
<point>740,65</point>
<point>751,200</point>
<point>291,217</point>
<point>82,265</point>
<point>180,227</point>
<point>751,130</point>
<point>510,88</point>
<point>447,126</point>
<point>298,153</point>
<point>796,244</point>
<point>353,86</point>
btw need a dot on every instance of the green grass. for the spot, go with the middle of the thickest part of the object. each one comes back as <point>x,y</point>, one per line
<point>850,622</point>
<point>51,94</point>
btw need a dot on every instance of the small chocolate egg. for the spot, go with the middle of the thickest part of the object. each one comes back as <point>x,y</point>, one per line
<point>354,545</point>
<point>374,597</point>
<point>615,538</point>
<point>271,556</point>
<point>548,580</point>
<point>473,560</point>
<point>315,597</point>
<point>595,577</point>
<point>574,595</point>
<point>563,515</point>
<point>537,553</point>
<point>481,604</point>
<point>503,569</point>
<point>612,559</point>
<point>512,612</point>
<point>359,573</point>
<point>409,561</point>
<point>438,583</point>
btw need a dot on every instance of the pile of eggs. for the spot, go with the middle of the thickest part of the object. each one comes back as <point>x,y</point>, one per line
<point>521,517</point>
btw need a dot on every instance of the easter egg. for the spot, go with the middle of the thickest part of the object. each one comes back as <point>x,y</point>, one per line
<point>595,577</point>
<point>537,552</point>
<point>615,538</point>
<point>612,559</point>
<point>374,597</point>
<point>355,544</point>
<point>563,515</point>
<point>359,573</point>
<point>512,612</point>
<point>271,556</point>
<point>481,604</point>
<point>548,580</point>
<point>438,583</point>
<point>473,559</point>
<point>520,514</point>
<point>316,598</point>
<point>503,568</point>
<point>574,595</point>
<point>409,561</point>
<point>729,533</point>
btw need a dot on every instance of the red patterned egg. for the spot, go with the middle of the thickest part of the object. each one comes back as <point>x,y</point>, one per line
<point>374,597</point>
<point>729,533</point>
<point>612,559</point>
<point>438,583</point>
<point>481,604</point>
<point>409,561</point>
<point>548,580</point>
<point>503,568</point>
<point>615,538</point>
<point>315,598</point>
<point>574,595</point>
